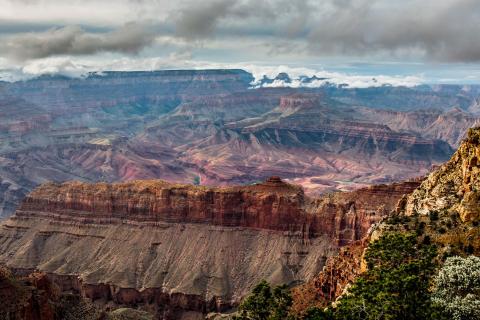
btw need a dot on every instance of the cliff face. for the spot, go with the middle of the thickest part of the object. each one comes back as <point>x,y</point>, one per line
<point>443,210</point>
<point>362,209</point>
<point>31,297</point>
<point>348,216</point>
<point>176,248</point>
<point>339,271</point>
<point>453,187</point>
<point>272,205</point>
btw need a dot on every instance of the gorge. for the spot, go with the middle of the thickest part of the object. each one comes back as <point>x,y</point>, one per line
<point>213,127</point>
<point>178,249</point>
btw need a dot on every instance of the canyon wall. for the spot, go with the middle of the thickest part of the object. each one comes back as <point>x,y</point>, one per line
<point>211,125</point>
<point>178,248</point>
<point>443,210</point>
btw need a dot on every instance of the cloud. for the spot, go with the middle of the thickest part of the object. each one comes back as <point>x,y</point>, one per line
<point>436,30</point>
<point>79,67</point>
<point>418,30</point>
<point>74,40</point>
<point>197,20</point>
<point>200,21</point>
<point>440,30</point>
<point>296,75</point>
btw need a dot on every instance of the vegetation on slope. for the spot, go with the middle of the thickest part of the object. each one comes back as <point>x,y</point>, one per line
<point>266,302</point>
<point>401,282</point>
<point>457,288</point>
<point>395,286</point>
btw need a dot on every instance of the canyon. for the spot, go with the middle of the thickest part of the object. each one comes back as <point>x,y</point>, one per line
<point>173,193</point>
<point>213,128</point>
<point>180,250</point>
<point>442,210</point>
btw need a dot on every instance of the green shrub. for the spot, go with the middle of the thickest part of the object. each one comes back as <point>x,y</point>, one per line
<point>266,303</point>
<point>457,288</point>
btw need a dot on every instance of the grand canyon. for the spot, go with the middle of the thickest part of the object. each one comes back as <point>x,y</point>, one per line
<point>239,160</point>
<point>212,128</point>
<point>176,192</point>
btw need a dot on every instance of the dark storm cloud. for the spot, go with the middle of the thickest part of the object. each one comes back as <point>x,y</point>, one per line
<point>74,40</point>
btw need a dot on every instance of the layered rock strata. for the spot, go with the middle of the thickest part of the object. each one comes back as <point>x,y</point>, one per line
<point>179,248</point>
<point>443,210</point>
<point>454,186</point>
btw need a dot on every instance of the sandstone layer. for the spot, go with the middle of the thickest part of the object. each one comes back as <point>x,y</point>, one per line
<point>178,248</point>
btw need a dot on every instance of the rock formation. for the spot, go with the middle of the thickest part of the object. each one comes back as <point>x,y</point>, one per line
<point>339,272</point>
<point>453,187</point>
<point>211,125</point>
<point>28,298</point>
<point>443,210</point>
<point>175,248</point>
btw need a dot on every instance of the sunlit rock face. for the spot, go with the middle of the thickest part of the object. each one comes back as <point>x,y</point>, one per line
<point>453,187</point>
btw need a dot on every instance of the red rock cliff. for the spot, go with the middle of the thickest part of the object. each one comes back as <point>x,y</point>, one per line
<point>178,248</point>
<point>272,205</point>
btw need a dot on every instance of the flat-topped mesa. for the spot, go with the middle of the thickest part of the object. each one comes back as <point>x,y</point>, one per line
<point>273,204</point>
<point>182,247</point>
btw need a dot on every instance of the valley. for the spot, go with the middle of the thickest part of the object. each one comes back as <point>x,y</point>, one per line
<point>210,127</point>
<point>174,249</point>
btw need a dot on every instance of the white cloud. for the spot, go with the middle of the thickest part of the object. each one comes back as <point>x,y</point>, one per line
<point>80,67</point>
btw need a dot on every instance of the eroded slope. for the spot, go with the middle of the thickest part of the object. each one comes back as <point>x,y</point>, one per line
<point>193,248</point>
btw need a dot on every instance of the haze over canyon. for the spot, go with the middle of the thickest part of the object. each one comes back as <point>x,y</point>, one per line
<point>212,128</point>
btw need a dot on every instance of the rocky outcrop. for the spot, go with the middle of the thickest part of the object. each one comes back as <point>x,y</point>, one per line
<point>272,205</point>
<point>348,216</point>
<point>339,272</point>
<point>178,248</point>
<point>31,297</point>
<point>295,102</point>
<point>443,210</point>
<point>453,187</point>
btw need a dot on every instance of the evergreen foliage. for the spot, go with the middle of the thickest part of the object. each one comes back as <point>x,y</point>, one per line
<point>266,303</point>
<point>394,287</point>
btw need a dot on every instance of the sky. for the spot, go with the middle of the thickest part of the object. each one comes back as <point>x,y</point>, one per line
<point>399,42</point>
